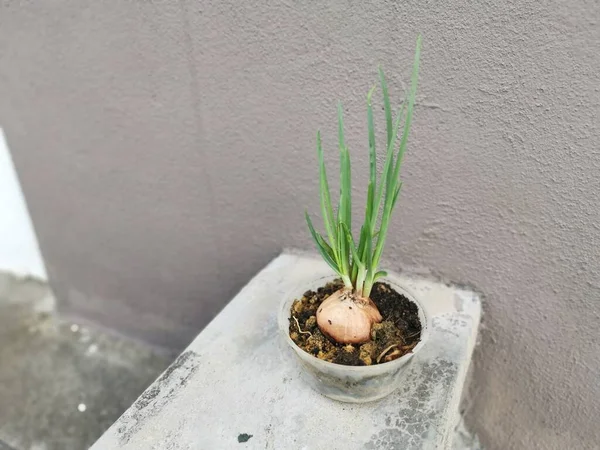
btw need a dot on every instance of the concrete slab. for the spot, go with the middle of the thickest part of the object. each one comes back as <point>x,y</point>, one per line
<point>62,383</point>
<point>234,386</point>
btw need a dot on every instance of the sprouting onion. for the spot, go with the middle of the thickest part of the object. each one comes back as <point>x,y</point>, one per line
<point>357,265</point>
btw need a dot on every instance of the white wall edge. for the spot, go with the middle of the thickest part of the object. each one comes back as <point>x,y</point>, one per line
<point>19,250</point>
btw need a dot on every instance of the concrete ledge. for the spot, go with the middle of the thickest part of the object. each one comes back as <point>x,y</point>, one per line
<point>233,386</point>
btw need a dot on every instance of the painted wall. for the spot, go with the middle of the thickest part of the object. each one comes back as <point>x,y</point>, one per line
<point>19,250</point>
<point>167,153</point>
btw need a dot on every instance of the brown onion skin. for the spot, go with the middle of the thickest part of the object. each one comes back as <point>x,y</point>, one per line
<point>347,318</point>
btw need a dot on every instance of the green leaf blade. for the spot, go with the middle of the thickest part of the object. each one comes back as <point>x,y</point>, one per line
<point>370,208</point>
<point>340,111</point>
<point>386,106</point>
<point>344,255</point>
<point>345,204</point>
<point>324,249</point>
<point>379,274</point>
<point>325,196</point>
<point>394,183</point>
<point>409,112</point>
<point>355,253</point>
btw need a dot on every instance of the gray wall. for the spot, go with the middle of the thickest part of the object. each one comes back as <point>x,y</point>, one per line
<point>167,153</point>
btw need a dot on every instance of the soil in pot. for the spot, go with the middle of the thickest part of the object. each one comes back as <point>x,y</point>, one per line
<point>396,335</point>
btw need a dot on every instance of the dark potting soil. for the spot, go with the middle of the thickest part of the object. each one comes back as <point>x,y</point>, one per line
<point>395,336</point>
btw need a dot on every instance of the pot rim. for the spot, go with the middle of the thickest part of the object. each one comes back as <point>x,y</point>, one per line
<point>292,294</point>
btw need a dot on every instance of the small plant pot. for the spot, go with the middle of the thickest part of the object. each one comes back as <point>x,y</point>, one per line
<point>352,384</point>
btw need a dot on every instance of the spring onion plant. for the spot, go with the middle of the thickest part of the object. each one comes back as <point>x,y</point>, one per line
<point>347,315</point>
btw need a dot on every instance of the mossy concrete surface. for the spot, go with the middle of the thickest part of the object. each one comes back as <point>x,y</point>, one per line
<point>62,383</point>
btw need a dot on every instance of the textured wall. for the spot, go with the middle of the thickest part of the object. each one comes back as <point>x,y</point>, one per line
<point>167,153</point>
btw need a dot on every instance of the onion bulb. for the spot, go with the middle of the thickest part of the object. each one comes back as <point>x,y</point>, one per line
<point>347,318</point>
